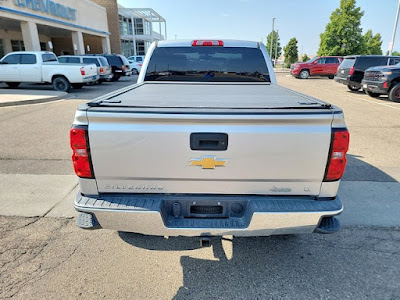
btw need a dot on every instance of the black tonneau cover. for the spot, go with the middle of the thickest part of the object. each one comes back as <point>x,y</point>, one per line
<point>170,95</point>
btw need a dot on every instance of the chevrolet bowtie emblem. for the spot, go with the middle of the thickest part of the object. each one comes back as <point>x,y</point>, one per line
<point>208,162</point>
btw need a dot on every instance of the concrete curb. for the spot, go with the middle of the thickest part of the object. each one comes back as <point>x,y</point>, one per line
<point>33,101</point>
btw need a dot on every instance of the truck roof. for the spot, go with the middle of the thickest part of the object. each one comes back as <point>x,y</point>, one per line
<point>203,96</point>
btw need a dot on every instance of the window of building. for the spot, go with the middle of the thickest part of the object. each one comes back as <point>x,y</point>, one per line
<point>147,28</point>
<point>127,47</point>
<point>1,48</point>
<point>17,45</point>
<point>28,59</point>
<point>138,26</point>
<point>43,47</point>
<point>140,50</point>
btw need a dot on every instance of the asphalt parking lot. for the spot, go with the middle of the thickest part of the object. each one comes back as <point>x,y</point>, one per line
<point>44,255</point>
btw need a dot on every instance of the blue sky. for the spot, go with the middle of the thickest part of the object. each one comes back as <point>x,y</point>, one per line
<point>252,19</point>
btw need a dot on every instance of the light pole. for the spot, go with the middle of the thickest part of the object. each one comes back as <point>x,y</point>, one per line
<point>396,20</point>
<point>276,47</point>
<point>272,36</point>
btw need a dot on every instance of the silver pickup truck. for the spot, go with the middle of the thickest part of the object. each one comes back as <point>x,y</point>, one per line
<point>206,143</point>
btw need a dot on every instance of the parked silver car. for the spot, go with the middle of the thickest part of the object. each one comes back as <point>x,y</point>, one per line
<point>103,67</point>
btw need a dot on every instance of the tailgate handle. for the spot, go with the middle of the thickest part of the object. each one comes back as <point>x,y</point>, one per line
<point>209,141</point>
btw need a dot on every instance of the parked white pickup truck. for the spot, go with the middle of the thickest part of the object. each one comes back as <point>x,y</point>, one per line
<point>206,143</point>
<point>42,67</point>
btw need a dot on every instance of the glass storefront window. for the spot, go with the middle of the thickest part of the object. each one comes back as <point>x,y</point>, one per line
<point>138,26</point>
<point>17,45</point>
<point>140,48</point>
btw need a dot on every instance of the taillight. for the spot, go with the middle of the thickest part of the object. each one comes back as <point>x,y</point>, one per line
<point>82,71</point>
<point>385,85</point>
<point>123,68</point>
<point>81,152</point>
<point>337,155</point>
<point>139,65</point>
<point>351,71</point>
<point>207,43</point>
<point>102,70</point>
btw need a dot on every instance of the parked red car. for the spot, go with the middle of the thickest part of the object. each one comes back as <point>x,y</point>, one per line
<point>317,66</point>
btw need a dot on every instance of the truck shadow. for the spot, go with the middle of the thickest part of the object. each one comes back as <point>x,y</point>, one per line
<point>358,170</point>
<point>287,266</point>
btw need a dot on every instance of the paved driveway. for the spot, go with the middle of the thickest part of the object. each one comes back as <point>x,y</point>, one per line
<point>44,255</point>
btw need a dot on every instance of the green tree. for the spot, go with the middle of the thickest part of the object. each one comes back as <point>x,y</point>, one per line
<point>373,43</point>
<point>291,52</point>
<point>343,33</point>
<point>305,58</point>
<point>274,44</point>
<point>394,53</point>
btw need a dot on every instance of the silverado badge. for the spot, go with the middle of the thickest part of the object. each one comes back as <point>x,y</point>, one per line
<point>208,162</point>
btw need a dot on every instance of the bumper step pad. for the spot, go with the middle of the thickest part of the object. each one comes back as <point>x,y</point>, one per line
<point>87,221</point>
<point>328,225</point>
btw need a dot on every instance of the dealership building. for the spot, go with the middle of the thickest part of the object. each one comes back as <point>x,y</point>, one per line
<point>77,27</point>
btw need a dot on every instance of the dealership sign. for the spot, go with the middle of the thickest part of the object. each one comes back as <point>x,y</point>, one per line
<point>48,7</point>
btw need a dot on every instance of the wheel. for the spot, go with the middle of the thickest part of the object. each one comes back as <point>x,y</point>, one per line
<point>353,88</point>
<point>13,85</point>
<point>371,94</point>
<point>99,81</point>
<point>115,78</point>
<point>304,74</point>
<point>61,84</point>
<point>77,86</point>
<point>331,76</point>
<point>394,94</point>
<point>135,71</point>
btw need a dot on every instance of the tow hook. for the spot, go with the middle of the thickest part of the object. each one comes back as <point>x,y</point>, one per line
<point>205,242</point>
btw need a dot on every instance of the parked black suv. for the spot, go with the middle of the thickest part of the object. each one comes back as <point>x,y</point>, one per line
<point>383,80</point>
<point>119,64</point>
<point>351,70</point>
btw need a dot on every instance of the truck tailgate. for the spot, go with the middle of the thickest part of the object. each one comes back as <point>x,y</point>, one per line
<point>272,154</point>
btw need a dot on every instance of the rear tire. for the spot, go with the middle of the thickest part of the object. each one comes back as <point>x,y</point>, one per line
<point>371,94</point>
<point>331,76</point>
<point>77,86</point>
<point>61,84</point>
<point>304,74</point>
<point>394,94</point>
<point>115,78</point>
<point>135,71</point>
<point>353,88</point>
<point>13,85</point>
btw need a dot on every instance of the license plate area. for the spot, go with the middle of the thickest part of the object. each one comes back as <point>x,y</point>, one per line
<point>204,209</point>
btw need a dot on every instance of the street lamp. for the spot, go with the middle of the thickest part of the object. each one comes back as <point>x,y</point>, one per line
<point>272,36</point>
<point>391,44</point>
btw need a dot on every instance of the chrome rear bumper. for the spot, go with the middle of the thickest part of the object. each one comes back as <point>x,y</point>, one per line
<point>261,215</point>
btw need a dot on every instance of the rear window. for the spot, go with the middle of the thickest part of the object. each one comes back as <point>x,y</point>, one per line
<point>207,64</point>
<point>114,60</point>
<point>90,60</point>
<point>364,63</point>
<point>347,63</point>
<point>103,61</point>
<point>69,60</point>
<point>139,59</point>
<point>49,57</point>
